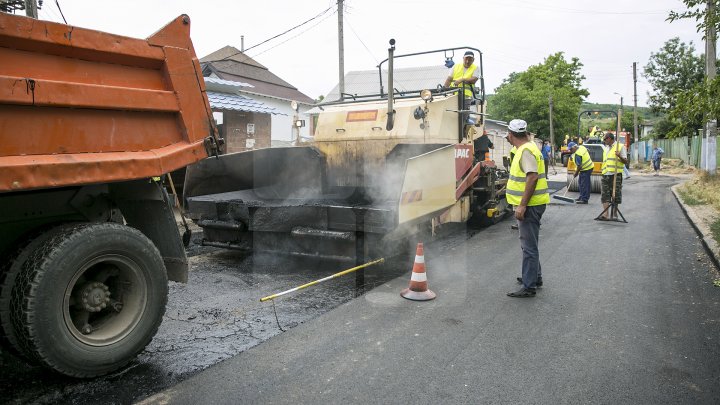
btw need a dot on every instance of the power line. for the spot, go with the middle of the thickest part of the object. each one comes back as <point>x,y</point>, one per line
<point>291,38</point>
<point>361,41</point>
<point>278,35</point>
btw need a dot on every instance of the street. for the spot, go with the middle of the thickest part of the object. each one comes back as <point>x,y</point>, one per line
<point>628,313</point>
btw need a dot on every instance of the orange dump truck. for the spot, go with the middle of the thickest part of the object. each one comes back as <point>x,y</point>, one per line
<point>88,240</point>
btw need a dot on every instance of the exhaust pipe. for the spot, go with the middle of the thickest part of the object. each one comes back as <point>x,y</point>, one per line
<point>391,90</point>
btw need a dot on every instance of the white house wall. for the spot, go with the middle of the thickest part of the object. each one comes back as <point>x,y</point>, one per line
<point>281,125</point>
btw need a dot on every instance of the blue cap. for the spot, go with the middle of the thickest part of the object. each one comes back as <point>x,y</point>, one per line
<point>571,144</point>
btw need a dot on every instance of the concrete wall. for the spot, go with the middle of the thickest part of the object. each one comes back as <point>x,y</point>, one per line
<point>235,127</point>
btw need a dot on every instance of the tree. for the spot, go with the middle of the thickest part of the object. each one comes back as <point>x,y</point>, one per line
<point>695,104</point>
<point>692,105</point>
<point>672,70</point>
<point>526,95</point>
<point>663,128</point>
<point>697,10</point>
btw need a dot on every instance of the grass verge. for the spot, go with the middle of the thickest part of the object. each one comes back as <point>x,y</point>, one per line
<point>702,189</point>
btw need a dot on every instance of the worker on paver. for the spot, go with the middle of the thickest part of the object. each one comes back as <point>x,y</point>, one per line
<point>527,192</point>
<point>465,75</point>
<point>583,169</point>
<point>614,159</point>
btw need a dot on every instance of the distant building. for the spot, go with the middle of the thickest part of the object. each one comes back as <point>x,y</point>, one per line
<point>263,86</point>
<point>367,82</point>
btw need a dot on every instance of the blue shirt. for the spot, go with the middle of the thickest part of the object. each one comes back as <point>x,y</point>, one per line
<point>657,153</point>
<point>578,160</point>
<point>546,152</point>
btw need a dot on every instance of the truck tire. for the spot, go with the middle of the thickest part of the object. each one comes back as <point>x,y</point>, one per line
<point>89,299</point>
<point>9,269</point>
<point>564,159</point>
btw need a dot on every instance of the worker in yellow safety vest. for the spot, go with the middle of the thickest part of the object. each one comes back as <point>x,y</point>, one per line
<point>467,73</point>
<point>527,192</point>
<point>614,159</point>
<point>583,168</point>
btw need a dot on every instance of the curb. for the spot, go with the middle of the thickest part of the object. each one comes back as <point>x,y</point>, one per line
<point>711,247</point>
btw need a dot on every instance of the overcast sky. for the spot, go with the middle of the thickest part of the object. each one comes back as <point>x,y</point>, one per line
<point>607,36</point>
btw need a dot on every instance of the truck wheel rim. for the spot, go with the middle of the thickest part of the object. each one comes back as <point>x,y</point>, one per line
<point>105,300</point>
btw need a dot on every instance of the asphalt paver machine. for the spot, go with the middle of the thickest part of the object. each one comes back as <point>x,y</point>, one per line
<point>380,168</point>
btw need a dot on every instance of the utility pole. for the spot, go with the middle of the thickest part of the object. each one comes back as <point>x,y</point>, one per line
<point>635,124</point>
<point>710,56</point>
<point>552,132</point>
<point>31,8</point>
<point>341,53</point>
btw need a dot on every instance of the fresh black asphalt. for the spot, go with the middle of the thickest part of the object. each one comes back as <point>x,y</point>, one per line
<point>628,314</point>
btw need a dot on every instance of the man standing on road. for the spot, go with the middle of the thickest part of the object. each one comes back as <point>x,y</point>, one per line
<point>546,151</point>
<point>657,158</point>
<point>583,168</point>
<point>614,159</point>
<point>527,192</point>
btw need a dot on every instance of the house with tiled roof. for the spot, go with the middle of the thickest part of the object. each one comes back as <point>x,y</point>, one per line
<point>231,65</point>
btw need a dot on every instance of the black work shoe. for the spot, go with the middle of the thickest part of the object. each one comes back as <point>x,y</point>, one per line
<point>538,283</point>
<point>513,226</point>
<point>522,293</point>
<point>579,201</point>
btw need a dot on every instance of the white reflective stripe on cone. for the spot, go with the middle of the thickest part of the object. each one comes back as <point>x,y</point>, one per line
<point>419,259</point>
<point>420,277</point>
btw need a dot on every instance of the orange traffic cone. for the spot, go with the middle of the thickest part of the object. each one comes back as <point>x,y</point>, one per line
<point>418,289</point>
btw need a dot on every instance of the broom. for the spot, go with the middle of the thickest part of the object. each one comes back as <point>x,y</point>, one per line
<point>563,198</point>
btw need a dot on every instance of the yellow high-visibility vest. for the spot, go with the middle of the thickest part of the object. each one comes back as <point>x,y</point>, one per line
<point>516,182</point>
<point>586,163</point>
<point>459,72</point>
<point>611,164</point>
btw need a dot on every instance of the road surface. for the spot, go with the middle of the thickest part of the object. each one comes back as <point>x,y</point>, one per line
<point>627,314</point>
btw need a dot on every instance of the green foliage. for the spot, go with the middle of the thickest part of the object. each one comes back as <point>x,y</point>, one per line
<point>697,10</point>
<point>715,230</point>
<point>672,70</point>
<point>663,128</point>
<point>692,105</point>
<point>690,199</point>
<point>526,95</point>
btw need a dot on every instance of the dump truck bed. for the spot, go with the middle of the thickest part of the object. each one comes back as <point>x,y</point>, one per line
<point>79,106</point>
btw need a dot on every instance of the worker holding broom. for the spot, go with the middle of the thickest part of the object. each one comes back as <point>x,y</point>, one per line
<point>614,159</point>
<point>527,192</point>
<point>583,169</point>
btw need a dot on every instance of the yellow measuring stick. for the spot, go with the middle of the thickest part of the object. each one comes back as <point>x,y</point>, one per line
<point>342,273</point>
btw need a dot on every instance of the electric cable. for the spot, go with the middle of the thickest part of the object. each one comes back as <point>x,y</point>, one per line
<point>281,34</point>
<point>291,38</point>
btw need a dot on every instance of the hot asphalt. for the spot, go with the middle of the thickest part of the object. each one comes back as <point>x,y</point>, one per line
<point>627,314</point>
